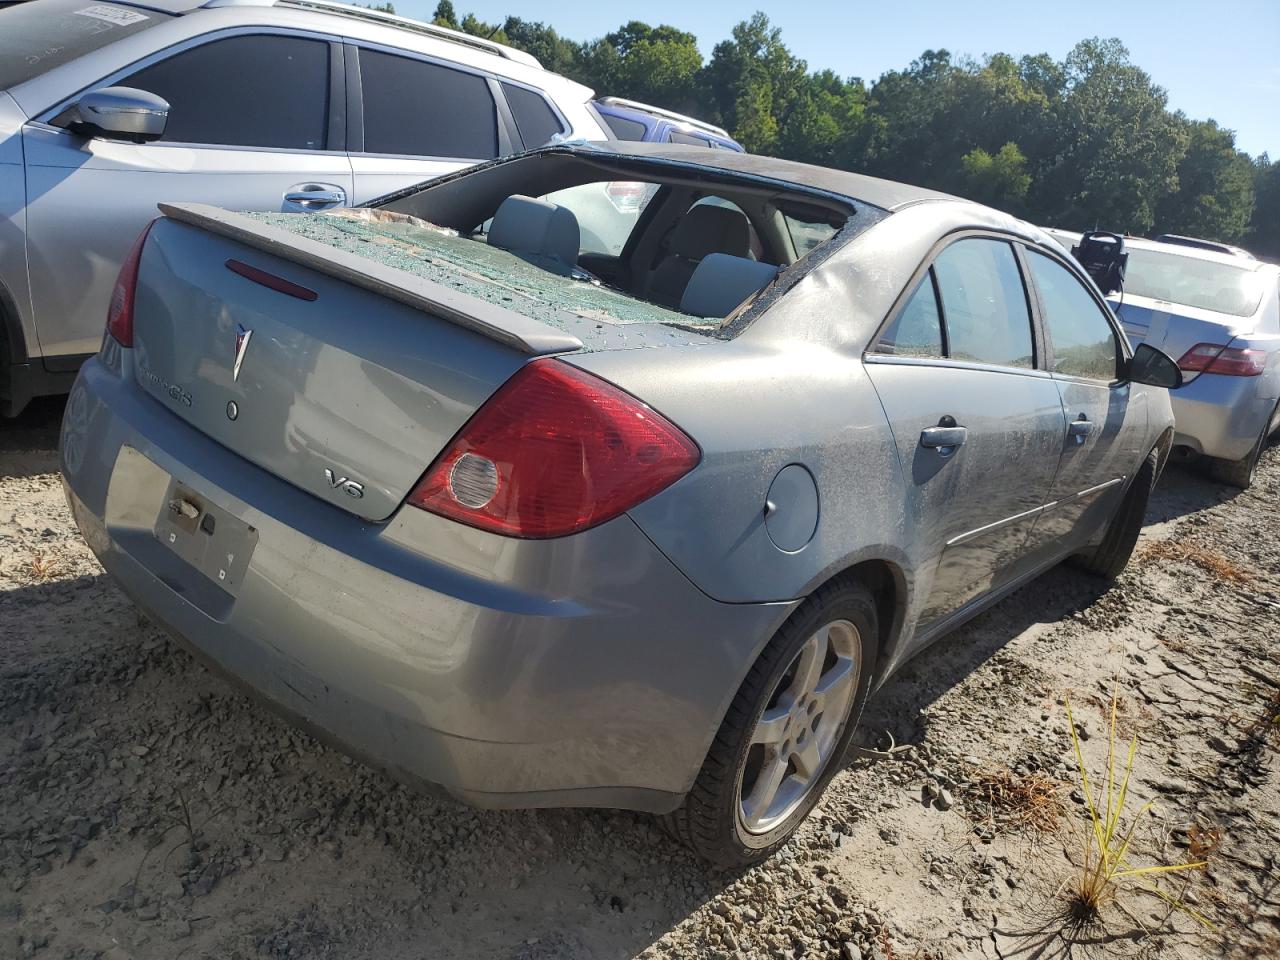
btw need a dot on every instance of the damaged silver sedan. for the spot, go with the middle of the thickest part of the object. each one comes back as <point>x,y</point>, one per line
<point>612,475</point>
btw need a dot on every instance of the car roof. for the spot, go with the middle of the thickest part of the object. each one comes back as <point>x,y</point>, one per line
<point>887,194</point>
<point>1242,260</point>
<point>349,12</point>
<point>621,107</point>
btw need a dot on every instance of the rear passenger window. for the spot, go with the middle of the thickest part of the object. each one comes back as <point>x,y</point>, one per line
<point>418,109</point>
<point>1083,343</point>
<point>624,128</point>
<point>984,303</point>
<point>535,119</point>
<point>917,330</point>
<point>263,91</point>
<point>675,136</point>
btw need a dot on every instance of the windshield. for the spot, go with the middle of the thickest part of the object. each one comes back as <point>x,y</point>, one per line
<point>35,37</point>
<point>1192,282</point>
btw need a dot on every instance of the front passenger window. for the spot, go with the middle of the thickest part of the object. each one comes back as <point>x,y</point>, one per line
<point>1083,342</point>
<point>984,303</point>
<point>250,91</point>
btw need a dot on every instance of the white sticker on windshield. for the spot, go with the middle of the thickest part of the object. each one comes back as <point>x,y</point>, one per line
<point>113,15</point>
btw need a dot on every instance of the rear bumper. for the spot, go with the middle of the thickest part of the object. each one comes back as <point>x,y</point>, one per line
<point>585,671</point>
<point>1220,416</point>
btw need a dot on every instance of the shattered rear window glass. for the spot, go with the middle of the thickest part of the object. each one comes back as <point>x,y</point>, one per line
<point>475,268</point>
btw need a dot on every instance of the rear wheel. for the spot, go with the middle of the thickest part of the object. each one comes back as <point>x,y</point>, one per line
<point>786,730</point>
<point>1240,473</point>
<point>1109,558</point>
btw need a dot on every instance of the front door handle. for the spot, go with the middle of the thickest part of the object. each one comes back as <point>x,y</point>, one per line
<point>315,197</point>
<point>1080,428</point>
<point>946,437</point>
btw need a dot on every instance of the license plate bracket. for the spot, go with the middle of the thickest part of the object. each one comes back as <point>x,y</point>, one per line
<point>207,537</point>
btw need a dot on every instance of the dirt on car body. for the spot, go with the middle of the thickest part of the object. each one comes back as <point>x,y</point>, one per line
<point>147,809</point>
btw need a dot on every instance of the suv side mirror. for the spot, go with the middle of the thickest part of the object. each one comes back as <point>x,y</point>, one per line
<point>1154,367</point>
<point>121,113</point>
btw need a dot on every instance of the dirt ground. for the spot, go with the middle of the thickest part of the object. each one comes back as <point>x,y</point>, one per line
<point>149,810</point>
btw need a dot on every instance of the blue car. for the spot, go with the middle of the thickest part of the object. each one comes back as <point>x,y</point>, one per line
<point>630,120</point>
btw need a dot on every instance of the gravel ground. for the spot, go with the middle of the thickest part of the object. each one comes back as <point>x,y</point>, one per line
<point>147,809</point>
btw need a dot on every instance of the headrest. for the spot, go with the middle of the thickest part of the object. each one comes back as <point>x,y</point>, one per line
<point>711,229</point>
<point>721,283</point>
<point>539,231</point>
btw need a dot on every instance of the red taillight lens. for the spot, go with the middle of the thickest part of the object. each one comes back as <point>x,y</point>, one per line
<point>553,452</point>
<point>120,311</point>
<point>1228,361</point>
<point>627,196</point>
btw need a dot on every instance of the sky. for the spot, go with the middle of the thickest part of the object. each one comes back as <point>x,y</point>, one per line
<point>1217,59</point>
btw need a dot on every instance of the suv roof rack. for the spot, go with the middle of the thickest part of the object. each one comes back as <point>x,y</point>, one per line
<point>391,20</point>
<point>1203,245</point>
<point>668,114</point>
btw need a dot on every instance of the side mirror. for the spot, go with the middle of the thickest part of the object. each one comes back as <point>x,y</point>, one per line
<point>1154,367</point>
<point>121,113</point>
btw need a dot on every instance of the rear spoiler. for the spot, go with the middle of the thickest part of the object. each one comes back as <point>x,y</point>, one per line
<point>529,336</point>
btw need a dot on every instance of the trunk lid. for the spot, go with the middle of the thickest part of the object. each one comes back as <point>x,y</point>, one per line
<point>1176,328</point>
<point>345,386</point>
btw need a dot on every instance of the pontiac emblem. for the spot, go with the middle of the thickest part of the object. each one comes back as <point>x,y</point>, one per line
<point>242,344</point>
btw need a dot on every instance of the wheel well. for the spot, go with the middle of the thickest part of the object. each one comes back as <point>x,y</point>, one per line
<point>8,355</point>
<point>12,347</point>
<point>888,584</point>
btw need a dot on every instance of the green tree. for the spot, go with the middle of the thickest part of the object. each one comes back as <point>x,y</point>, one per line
<point>1264,229</point>
<point>444,15</point>
<point>1118,147</point>
<point>999,180</point>
<point>1087,140</point>
<point>753,83</point>
<point>1214,197</point>
<point>553,51</point>
<point>478,28</point>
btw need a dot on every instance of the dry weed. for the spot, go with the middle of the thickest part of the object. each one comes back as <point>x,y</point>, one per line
<point>1202,842</point>
<point>45,566</point>
<point>1210,561</point>
<point>1263,727</point>
<point>1004,802</point>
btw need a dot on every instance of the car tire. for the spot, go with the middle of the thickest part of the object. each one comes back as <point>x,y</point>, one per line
<point>1240,473</point>
<point>725,817</point>
<point>1111,555</point>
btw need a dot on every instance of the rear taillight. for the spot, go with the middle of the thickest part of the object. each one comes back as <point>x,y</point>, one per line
<point>627,196</point>
<point>120,311</point>
<point>1228,361</point>
<point>553,452</point>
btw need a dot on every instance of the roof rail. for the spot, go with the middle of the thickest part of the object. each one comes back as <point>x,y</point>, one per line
<point>391,20</point>
<point>669,114</point>
<point>1196,242</point>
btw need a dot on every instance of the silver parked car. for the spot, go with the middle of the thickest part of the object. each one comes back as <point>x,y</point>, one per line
<point>644,534</point>
<point>1217,309</point>
<point>107,108</point>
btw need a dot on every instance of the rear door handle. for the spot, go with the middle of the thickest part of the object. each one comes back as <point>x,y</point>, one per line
<point>946,437</point>
<point>315,197</point>
<point>1080,428</point>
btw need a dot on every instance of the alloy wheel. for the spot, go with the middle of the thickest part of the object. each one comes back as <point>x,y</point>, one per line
<point>797,732</point>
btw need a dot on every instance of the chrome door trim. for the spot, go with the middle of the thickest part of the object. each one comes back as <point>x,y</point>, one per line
<point>1026,514</point>
<point>990,527</point>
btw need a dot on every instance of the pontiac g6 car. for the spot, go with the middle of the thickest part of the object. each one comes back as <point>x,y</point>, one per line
<point>642,530</point>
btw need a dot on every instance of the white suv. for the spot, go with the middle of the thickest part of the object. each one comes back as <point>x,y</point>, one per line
<point>107,108</point>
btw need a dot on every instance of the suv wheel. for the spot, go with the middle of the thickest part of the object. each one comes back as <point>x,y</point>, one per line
<point>786,731</point>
